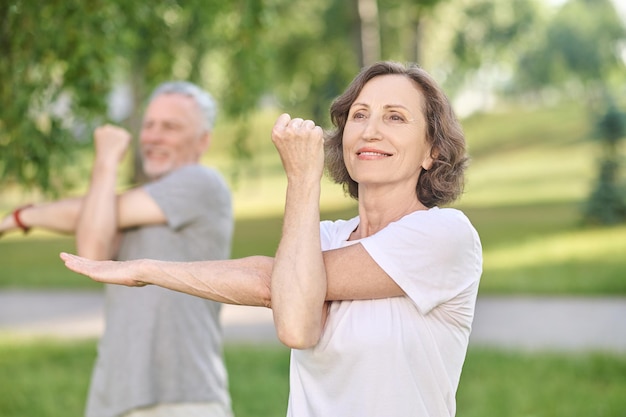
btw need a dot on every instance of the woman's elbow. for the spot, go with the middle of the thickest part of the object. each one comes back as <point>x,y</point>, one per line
<point>297,338</point>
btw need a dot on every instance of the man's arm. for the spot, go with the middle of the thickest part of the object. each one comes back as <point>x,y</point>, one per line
<point>96,231</point>
<point>58,216</point>
<point>104,214</point>
<point>135,207</point>
<point>97,217</point>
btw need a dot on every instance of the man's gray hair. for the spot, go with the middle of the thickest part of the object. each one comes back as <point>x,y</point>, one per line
<point>205,101</point>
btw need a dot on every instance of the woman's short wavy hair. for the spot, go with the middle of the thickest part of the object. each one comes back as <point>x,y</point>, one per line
<point>443,182</point>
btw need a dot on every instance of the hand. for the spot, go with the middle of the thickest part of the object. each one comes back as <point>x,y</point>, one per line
<point>300,144</point>
<point>111,143</point>
<point>108,272</point>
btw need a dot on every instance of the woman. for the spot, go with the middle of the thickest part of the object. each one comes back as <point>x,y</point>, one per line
<point>378,308</point>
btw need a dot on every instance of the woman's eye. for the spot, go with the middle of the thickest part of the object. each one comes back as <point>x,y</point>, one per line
<point>396,117</point>
<point>358,115</point>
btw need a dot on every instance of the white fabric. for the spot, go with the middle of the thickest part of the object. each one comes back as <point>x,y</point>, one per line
<point>399,356</point>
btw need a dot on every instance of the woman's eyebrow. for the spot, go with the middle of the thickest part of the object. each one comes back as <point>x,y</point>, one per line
<point>393,106</point>
<point>386,106</point>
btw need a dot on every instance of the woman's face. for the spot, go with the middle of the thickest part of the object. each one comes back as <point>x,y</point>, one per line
<point>384,139</point>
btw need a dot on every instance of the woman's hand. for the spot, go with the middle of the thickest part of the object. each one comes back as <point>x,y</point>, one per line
<point>108,272</point>
<point>300,144</point>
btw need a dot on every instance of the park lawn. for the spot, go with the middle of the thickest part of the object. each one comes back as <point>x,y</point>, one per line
<point>49,378</point>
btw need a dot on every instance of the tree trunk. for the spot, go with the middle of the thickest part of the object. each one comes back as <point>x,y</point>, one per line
<point>370,31</point>
<point>134,124</point>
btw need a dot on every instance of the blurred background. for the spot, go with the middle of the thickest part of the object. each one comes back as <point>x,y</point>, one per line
<point>539,86</point>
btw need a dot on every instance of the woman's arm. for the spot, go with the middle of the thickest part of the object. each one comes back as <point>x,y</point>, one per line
<point>352,274</point>
<point>243,281</point>
<point>299,277</point>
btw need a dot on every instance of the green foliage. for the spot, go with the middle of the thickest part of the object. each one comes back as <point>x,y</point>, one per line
<point>490,34</point>
<point>490,28</point>
<point>52,85</point>
<point>607,202</point>
<point>610,127</point>
<point>580,44</point>
<point>62,59</point>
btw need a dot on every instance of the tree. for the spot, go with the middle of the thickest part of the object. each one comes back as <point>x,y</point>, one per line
<point>323,44</point>
<point>61,59</point>
<point>580,53</point>
<point>580,46</point>
<point>489,36</point>
<point>607,201</point>
<point>52,85</point>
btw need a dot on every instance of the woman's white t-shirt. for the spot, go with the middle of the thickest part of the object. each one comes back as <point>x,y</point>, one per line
<point>401,356</point>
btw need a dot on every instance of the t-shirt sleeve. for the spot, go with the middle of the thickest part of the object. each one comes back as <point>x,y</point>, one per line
<point>432,255</point>
<point>189,192</point>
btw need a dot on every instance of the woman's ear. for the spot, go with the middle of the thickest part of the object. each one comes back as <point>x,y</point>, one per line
<point>428,161</point>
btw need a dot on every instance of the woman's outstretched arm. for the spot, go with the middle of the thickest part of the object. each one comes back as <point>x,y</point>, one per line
<point>243,281</point>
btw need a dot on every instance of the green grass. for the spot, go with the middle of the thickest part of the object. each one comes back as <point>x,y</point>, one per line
<point>46,378</point>
<point>509,384</point>
<point>33,262</point>
<point>258,379</point>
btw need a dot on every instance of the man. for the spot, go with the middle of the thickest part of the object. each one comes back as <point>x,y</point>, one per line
<point>161,351</point>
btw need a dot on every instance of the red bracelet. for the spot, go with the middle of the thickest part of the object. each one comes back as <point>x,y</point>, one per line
<point>16,217</point>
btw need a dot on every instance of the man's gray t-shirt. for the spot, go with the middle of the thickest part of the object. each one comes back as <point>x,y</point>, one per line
<point>162,346</point>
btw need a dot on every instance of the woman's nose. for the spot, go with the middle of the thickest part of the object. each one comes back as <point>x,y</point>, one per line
<point>372,130</point>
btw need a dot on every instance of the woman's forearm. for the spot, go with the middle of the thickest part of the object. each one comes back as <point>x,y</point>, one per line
<point>299,276</point>
<point>243,281</point>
